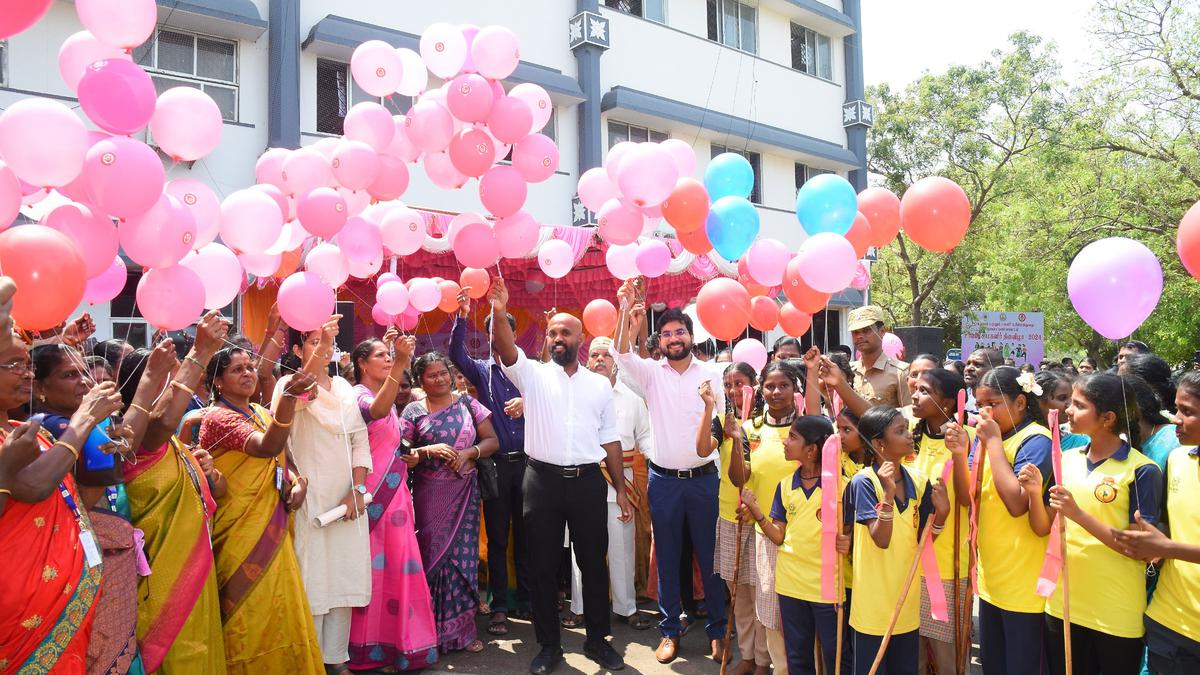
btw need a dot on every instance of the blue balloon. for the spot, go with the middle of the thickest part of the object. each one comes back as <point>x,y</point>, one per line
<point>728,175</point>
<point>732,226</point>
<point>826,203</point>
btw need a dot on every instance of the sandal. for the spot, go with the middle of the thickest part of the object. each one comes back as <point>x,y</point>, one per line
<point>484,608</point>
<point>571,620</point>
<point>474,648</point>
<point>498,625</point>
<point>638,621</point>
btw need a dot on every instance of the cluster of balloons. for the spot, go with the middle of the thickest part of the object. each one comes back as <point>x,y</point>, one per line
<point>119,196</point>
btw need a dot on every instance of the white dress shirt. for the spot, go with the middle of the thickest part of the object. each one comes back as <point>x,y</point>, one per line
<point>567,417</point>
<point>633,425</point>
<point>675,406</point>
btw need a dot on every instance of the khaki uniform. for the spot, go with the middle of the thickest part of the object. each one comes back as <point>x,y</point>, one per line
<point>884,382</point>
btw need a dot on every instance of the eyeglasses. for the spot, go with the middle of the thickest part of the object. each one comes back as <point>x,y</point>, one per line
<point>682,332</point>
<point>17,368</point>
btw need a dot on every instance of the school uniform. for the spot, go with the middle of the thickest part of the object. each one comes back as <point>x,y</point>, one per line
<point>1108,589</point>
<point>1173,618</point>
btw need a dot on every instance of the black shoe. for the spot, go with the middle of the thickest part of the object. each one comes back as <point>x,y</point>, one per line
<point>603,653</point>
<point>546,660</point>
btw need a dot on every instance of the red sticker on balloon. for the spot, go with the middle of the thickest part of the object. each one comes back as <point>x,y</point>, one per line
<point>107,158</point>
<point>189,199</point>
<point>380,72</point>
<point>439,47</point>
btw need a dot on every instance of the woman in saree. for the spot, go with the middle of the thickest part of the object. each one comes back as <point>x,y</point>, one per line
<point>381,637</point>
<point>267,623</point>
<point>52,564</point>
<point>448,433</point>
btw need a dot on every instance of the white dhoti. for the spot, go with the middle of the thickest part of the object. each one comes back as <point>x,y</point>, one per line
<point>620,563</point>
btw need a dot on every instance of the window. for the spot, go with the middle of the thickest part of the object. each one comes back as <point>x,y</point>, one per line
<point>755,160</point>
<point>811,52</point>
<point>805,172</point>
<point>620,131</point>
<point>826,330</point>
<point>337,92</point>
<point>733,24</point>
<point>126,319</point>
<point>647,9</point>
<point>182,59</point>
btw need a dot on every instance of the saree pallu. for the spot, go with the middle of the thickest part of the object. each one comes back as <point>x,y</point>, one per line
<point>179,617</point>
<point>266,620</point>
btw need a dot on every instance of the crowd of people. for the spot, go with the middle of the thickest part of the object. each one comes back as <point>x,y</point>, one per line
<point>215,506</point>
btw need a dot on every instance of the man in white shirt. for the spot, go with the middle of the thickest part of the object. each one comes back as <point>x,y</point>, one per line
<point>633,425</point>
<point>683,485</point>
<point>570,427</point>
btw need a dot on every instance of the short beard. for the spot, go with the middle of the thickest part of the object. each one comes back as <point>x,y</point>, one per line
<point>681,357</point>
<point>567,355</point>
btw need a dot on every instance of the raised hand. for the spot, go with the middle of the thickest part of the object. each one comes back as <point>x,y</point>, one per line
<point>163,358</point>
<point>498,294</point>
<point>405,346</point>
<point>1030,479</point>
<point>956,440</point>
<point>210,334</point>
<point>986,428</point>
<point>390,335</point>
<point>812,359</point>
<point>464,302</point>
<point>706,394</point>
<point>941,499</point>
<point>100,402</point>
<point>79,330</point>
<point>888,474</point>
<point>299,384</point>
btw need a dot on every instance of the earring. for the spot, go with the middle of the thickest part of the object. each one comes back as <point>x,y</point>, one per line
<point>42,398</point>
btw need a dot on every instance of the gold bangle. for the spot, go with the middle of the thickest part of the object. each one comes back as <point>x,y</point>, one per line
<point>183,387</point>
<point>279,424</point>
<point>5,491</point>
<point>74,450</point>
<point>193,359</point>
<point>138,407</point>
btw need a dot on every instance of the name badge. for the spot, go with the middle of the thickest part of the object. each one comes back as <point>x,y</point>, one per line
<point>89,548</point>
<point>279,478</point>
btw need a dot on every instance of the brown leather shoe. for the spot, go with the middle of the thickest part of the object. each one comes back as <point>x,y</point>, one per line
<point>718,649</point>
<point>666,649</point>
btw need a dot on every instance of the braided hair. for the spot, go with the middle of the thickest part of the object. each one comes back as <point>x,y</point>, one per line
<point>759,415</point>
<point>947,384</point>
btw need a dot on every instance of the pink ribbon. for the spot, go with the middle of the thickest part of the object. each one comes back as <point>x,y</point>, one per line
<point>835,402</point>
<point>801,404</point>
<point>929,566</point>
<point>962,406</point>
<point>139,545</point>
<point>831,454</point>
<point>747,401</point>
<point>1053,563</point>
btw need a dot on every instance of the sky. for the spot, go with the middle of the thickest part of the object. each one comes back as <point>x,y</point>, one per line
<point>904,38</point>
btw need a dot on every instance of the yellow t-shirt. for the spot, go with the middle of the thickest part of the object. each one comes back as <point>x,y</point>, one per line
<point>727,494</point>
<point>849,469</point>
<point>880,572</point>
<point>930,460</point>
<point>798,565</point>
<point>1010,553</point>
<point>1176,603</point>
<point>768,466</point>
<point>1108,590</point>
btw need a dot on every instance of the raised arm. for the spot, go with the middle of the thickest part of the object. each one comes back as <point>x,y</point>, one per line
<point>503,340</point>
<point>268,354</point>
<point>273,440</point>
<point>457,351</point>
<point>319,360</point>
<point>835,380</point>
<point>385,398</point>
<point>705,441</point>
<point>812,382</point>
<point>210,336</point>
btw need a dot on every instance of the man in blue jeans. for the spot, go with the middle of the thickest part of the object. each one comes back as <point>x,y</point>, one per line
<point>683,486</point>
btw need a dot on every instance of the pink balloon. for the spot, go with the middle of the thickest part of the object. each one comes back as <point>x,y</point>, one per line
<point>556,258</point>
<point>108,284</point>
<point>260,264</point>
<point>469,32</point>
<point>469,98</point>
<point>442,172</point>
<point>187,124</point>
<point>355,164</point>
<point>893,346</point>
<point>305,301</point>
<point>280,199</point>
<point>683,155</point>
<point>862,277</point>
<point>518,235</point>
<point>409,319</point>
<point>471,152</point>
<point>306,169</point>
<point>826,262</point>
<point>117,95</point>
<point>170,298</point>
<point>648,175</point>
<point>269,167</point>
<point>370,123</point>
<point>752,352</point>
<point>204,205</point>
<point>79,190</point>
<point>120,23</point>
<point>502,190</point>
<point>94,235</point>
<point>43,142</point>
<point>403,231</point>
<point>402,146</point>
<point>379,316</point>
<point>17,15</point>
<point>536,157</point>
<point>385,278</point>
<point>1114,284</point>
<point>250,221</point>
<point>291,237</point>
<point>538,102</point>
<point>161,236</point>
<point>653,258</point>
<point>414,77</point>
<point>10,196</point>
<point>457,223</point>
<point>376,68</point>
<point>476,246</point>
<point>327,261</point>
<point>621,260</point>
<point>618,222</point>
<point>357,201</point>
<point>219,271</point>
<point>510,119</point>
<point>595,188</point>
<point>424,294</point>
<point>392,181</point>
<point>124,177</point>
<point>430,126</point>
<point>81,50</point>
<point>392,297</point>
<point>326,146</point>
<point>612,162</point>
<point>496,52</point>
<point>767,260</point>
<point>360,240</point>
<point>322,212</point>
<point>444,50</point>
<point>368,269</point>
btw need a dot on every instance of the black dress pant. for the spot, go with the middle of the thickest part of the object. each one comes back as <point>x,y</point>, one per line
<point>1092,651</point>
<point>498,514</point>
<point>553,502</point>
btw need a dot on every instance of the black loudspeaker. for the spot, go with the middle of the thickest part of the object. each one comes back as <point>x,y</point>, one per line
<point>345,337</point>
<point>922,340</point>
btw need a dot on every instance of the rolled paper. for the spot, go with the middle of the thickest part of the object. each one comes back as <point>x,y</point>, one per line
<point>1053,563</point>
<point>747,401</point>
<point>835,401</point>
<point>929,565</point>
<point>831,455</point>
<point>962,406</point>
<point>336,513</point>
<point>801,404</point>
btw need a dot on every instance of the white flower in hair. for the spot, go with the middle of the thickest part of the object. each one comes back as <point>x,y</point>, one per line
<point>1029,384</point>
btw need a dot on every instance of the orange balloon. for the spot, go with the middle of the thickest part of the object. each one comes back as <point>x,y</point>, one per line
<point>695,242</point>
<point>882,209</point>
<point>476,281</point>
<point>289,261</point>
<point>723,307</point>
<point>600,318</point>
<point>793,321</point>
<point>859,235</point>
<point>1187,240</point>
<point>687,207</point>
<point>450,291</point>
<point>764,313</point>
<point>799,293</point>
<point>935,213</point>
<point>753,287</point>
<point>48,271</point>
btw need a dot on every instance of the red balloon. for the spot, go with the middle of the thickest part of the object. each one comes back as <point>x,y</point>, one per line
<point>764,313</point>
<point>687,207</point>
<point>793,321</point>
<point>450,291</point>
<point>695,242</point>
<point>1187,240</point>
<point>476,281</point>
<point>799,293</point>
<point>48,271</point>
<point>17,15</point>
<point>935,213</point>
<point>723,307</point>
<point>859,235</point>
<point>600,318</point>
<point>882,209</point>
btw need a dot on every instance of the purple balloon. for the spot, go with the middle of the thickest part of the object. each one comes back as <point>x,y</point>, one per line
<point>1114,285</point>
<point>118,96</point>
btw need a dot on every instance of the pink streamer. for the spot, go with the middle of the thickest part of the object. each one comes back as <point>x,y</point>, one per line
<point>831,454</point>
<point>962,406</point>
<point>801,404</point>
<point>747,401</point>
<point>139,545</point>
<point>1053,563</point>
<point>929,566</point>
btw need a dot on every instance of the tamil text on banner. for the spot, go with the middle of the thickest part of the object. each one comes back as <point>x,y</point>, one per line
<point>1017,335</point>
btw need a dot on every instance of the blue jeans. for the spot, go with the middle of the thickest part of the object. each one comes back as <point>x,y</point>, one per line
<point>803,623</point>
<point>676,503</point>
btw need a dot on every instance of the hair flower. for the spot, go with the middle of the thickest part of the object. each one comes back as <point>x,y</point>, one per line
<point>1029,384</point>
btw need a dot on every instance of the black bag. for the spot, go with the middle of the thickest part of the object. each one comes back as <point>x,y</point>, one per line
<point>485,467</point>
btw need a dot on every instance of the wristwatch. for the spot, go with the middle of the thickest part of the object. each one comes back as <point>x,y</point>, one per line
<point>360,489</point>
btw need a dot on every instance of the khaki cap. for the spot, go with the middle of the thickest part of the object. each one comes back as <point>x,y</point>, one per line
<point>865,317</point>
